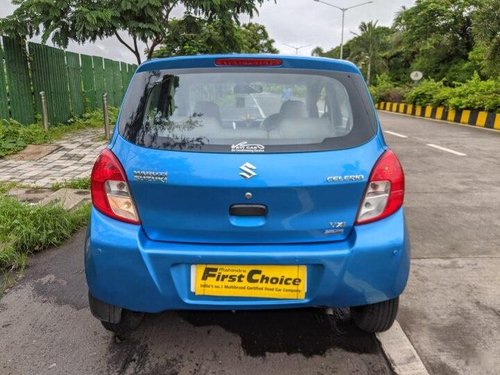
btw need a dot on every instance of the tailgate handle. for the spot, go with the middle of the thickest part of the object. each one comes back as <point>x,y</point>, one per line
<point>248,210</point>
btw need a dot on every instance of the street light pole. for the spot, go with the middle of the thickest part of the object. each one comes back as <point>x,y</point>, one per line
<point>296,48</point>
<point>343,10</point>
<point>342,36</point>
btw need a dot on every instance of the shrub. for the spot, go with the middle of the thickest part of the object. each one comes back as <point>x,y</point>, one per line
<point>386,91</point>
<point>476,94</point>
<point>14,136</point>
<point>428,92</point>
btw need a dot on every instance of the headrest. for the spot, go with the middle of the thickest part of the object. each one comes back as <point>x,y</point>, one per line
<point>207,109</point>
<point>293,109</point>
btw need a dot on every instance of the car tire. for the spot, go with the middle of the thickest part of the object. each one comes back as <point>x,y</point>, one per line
<point>377,317</point>
<point>129,321</point>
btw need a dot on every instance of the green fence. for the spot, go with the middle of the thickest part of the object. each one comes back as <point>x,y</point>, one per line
<point>73,83</point>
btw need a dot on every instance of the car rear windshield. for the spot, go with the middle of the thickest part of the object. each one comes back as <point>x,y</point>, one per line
<point>244,110</point>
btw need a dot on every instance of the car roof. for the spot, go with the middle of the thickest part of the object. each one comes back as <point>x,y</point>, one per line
<point>208,61</point>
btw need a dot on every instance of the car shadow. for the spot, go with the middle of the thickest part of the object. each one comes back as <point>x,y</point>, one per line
<point>173,342</point>
<point>305,331</point>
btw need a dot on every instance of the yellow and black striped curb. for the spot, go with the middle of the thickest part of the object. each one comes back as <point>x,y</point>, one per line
<point>482,119</point>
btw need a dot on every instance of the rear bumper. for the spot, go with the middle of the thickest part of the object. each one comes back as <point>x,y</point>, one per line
<point>124,268</point>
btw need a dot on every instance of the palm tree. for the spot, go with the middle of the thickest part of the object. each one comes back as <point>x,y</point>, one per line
<point>366,47</point>
<point>318,51</point>
<point>369,42</point>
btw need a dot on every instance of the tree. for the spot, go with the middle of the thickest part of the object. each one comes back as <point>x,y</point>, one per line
<point>333,53</point>
<point>256,39</point>
<point>318,51</point>
<point>486,31</point>
<point>437,36</point>
<point>455,43</point>
<point>395,58</point>
<point>197,35</point>
<point>366,47</point>
<point>147,21</point>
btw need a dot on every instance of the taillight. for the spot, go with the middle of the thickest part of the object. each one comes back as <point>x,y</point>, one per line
<point>110,191</point>
<point>385,191</point>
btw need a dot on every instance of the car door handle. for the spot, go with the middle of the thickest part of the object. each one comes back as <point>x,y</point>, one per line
<point>248,210</point>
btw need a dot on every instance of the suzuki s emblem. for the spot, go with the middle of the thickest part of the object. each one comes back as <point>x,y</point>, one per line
<point>247,170</point>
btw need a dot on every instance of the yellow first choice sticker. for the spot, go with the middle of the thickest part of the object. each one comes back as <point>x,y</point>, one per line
<point>259,281</point>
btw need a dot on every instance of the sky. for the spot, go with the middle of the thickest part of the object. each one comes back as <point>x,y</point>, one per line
<point>289,22</point>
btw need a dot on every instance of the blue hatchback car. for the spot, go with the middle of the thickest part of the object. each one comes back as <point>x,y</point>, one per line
<point>246,182</point>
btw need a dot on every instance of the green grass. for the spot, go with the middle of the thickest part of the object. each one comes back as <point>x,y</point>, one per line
<point>25,229</point>
<point>77,183</point>
<point>14,136</point>
<point>6,186</point>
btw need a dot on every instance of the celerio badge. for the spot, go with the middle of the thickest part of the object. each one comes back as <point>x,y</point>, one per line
<point>247,170</point>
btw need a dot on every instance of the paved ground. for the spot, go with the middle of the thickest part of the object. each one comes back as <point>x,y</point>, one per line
<point>450,310</point>
<point>72,157</point>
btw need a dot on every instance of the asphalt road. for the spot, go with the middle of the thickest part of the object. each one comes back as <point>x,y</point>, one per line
<point>450,310</point>
<point>46,328</point>
<point>451,307</point>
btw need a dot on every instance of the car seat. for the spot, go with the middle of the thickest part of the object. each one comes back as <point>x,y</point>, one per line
<point>207,109</point>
